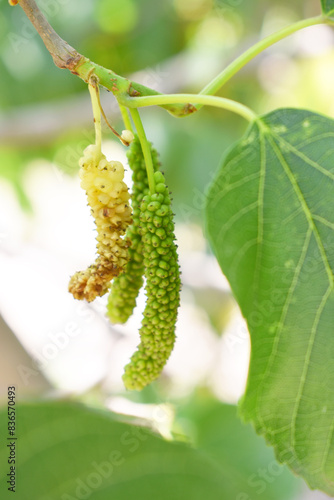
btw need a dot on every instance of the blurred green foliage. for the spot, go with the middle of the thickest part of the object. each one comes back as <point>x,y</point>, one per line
<point>71,451</point>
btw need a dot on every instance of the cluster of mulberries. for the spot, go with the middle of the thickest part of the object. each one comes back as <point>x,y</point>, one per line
<point>128,251</point>
<point>125,288</point>
<point>156,228</point>
<point>108,198</point>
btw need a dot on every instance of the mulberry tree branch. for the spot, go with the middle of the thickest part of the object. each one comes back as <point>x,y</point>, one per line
<point>126,91</point>
<point>66,57</point>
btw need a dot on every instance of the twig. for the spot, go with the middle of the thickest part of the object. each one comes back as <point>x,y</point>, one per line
<point>63,55</point>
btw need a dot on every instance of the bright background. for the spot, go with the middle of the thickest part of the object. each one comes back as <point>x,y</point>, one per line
<point>54,345</point>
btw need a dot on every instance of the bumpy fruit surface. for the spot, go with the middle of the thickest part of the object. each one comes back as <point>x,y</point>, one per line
<point>125,288</point>
<point>162,288</point>
<point>108,198</point>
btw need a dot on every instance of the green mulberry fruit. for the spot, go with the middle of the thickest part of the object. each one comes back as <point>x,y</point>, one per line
<point>162,288</point>
<point>108,198</point>
<point>125,288</point>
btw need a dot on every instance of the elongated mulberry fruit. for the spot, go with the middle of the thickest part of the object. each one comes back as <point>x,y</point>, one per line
<point>108,198</point>
<point>125,288</point>
<point>162,288</point>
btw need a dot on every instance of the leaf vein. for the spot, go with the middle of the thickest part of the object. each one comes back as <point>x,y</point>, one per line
<point>306,365</point>
<point>230,187</point>
<point>304,157</point>
<point>311,140</point>
<point>306,210</point>
<point>286,305</point>
<point>237,216</point>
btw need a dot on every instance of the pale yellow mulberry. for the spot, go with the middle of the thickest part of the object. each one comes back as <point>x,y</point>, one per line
<point>108,197</point>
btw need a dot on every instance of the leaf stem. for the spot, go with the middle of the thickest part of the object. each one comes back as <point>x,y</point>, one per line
<point>220,80</point>
<point>195,99</point>
<point>94,94</point>
<point>126,118</point>
<point>145,147</point>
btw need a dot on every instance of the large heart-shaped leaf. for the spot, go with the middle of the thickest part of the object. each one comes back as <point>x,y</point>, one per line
<point>66,451</point>
<point>270,219</point>
<point>327,7</point>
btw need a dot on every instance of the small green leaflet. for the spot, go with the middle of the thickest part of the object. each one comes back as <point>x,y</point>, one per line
<point>327,6</point>
<point>270,220</point>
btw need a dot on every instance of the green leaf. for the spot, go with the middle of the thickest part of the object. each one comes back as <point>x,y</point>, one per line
<point>220,433</point>
<point>270,220</point>
<point>327,7</point>
<point>66,451</point>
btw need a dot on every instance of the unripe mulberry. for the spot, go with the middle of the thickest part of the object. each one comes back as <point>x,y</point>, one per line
<point>125,288</point>
<point>108,198</point>
<point>162,288</point>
